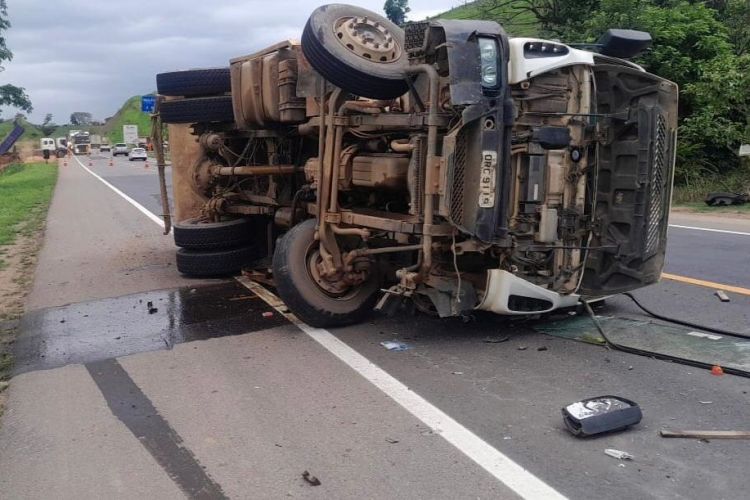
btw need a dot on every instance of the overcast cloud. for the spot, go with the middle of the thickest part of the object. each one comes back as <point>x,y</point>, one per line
<point>91,55</point>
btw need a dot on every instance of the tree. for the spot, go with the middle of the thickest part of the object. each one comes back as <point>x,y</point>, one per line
<point>396,10</point>
<point>10,95</point>
<point>80,118</point>
<point>48,126</point>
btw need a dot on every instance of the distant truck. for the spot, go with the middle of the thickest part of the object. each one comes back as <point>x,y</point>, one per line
<point>61,146</point>
<point>81,142</point>
<point>96,141</point>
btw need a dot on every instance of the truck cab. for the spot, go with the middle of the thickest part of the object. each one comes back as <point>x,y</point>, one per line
<point>443,164</point>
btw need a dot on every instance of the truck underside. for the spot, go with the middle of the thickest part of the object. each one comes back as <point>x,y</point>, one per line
<point>437,166</point>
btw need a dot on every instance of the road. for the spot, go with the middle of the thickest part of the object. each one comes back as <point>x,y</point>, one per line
<point>208,397</point>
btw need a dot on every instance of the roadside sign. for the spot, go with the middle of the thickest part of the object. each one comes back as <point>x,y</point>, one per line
<point>148,102</point>
<point>130,134</point>
<point>745,150</point>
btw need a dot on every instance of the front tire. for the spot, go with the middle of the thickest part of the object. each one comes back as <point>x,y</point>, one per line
<point>304,297</point>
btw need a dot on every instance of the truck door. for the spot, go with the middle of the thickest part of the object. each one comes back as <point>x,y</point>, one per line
<point>632,184</point>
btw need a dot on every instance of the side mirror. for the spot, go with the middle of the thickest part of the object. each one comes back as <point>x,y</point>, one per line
<point>623,43</point>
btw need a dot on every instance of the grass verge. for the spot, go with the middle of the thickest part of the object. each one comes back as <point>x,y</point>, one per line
<point>25,193</point>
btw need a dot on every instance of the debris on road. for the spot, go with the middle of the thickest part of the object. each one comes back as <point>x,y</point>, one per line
<point>542,348</point>
<point>705,434</point>
<point>151,308</point>
<point>391,440</point>
<point>395,345</point>
<point>458,373</point>
<point>717,370</point>
<point>267,314</point>
<point>312,480</point>
<point>620,455</point>
<point>600,414</point>
<point>722,295</point>
<point>496,340</point>
<point>522,347</point>
<point>705,402</point>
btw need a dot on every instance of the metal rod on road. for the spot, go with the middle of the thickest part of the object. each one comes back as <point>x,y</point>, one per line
<point>157,140</point>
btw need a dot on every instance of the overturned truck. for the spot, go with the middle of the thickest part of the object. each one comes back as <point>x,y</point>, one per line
<point>443,163</point>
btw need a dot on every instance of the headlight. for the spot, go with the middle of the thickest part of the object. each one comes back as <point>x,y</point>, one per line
<point>488,61</point>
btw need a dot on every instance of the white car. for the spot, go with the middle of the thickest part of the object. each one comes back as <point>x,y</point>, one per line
<point>105,147</point>
<point>137,154</point>
<point>120,149</point>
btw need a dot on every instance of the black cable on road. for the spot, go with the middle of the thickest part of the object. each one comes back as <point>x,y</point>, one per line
<point>686,323</point>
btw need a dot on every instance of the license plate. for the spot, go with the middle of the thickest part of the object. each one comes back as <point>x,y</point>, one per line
<point>487,179</point>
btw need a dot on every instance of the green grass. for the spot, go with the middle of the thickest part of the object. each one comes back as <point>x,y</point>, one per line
<point>515,24</point>
<point>25,192</point>
<point>31,132</point>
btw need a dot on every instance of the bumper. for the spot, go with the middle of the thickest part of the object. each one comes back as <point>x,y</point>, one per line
<point>508,294</point>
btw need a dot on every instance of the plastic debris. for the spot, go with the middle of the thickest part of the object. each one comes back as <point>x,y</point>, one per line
<point>722,295</point>
<point>620,455</point>
<point>312,480</point>
<point>391,440</point>
<point>717,370</point>
<point>522,347</point>
<point>395,345</point>
<point>458,373</point>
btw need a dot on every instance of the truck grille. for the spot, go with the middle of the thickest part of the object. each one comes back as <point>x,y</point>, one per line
<point>414,35</point>
<point>458,179</point>
<point>657,188</point>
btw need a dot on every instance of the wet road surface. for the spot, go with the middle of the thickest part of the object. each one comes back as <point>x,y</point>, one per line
<point>260,401</point>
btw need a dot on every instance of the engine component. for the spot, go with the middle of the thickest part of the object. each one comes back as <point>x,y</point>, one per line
<point>532,193</point>
<point>382,171</point>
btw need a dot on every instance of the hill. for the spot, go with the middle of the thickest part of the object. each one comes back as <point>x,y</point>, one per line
<point>129,114</point>
<point>31,132</point>
<point>515,23</point>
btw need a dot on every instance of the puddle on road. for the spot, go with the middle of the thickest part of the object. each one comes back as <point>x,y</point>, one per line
<point>107,328</point>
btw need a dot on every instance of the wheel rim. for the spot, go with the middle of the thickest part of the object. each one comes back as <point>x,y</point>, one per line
<point>367,38</point>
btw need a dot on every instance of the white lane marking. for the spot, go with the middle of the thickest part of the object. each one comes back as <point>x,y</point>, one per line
<point>513,475</point>
<point>127,198</point>
<point>725,231</point>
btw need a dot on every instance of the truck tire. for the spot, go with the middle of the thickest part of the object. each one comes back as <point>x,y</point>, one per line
<point>308,301</point>
<point>195,234</point>
<point>205,264</point>
<point>197,109</point>
<point>333,42</point>
<point>194,82</point>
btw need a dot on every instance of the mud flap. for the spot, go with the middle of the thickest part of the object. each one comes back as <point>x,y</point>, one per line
<point>633,181</point>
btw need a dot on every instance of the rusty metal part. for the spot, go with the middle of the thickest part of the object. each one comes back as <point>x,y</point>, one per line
<point>402,146</point>
<point>254,170</point>
<point>158,141</point>
<point>284,216</point>
<point>211,141</point>
<point>247,209</point>
<point>430,174</point>
<point>367,38</point>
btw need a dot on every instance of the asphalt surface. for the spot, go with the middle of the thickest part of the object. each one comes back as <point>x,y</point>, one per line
<point>215,394</point>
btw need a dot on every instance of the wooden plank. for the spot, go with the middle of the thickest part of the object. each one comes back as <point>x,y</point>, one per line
<point>705,434</point>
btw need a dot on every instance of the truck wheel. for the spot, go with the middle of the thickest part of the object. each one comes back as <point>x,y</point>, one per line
<point>216,262</point>
<point>356,50</point>
<point>197,109</point>
<point>296,253</point>
<point>195,234</point>
<point>194,82</point>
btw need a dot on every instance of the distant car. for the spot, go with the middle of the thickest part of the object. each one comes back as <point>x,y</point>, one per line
<point>137,154</point>
<point>104,147</point>
<point>120,149</point>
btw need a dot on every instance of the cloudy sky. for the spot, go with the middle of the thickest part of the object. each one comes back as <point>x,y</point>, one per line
<point>91,55</point>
